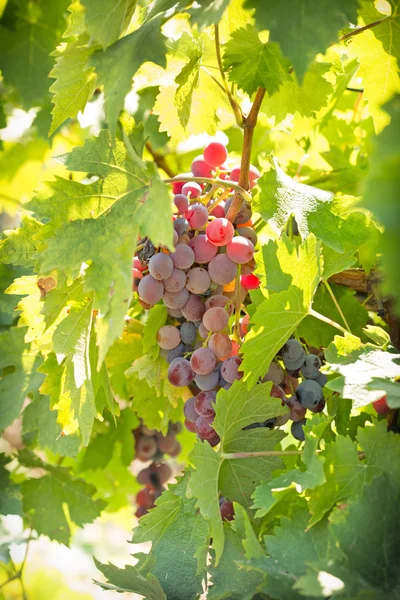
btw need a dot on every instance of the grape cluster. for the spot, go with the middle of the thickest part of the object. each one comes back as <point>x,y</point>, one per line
<point>151,445</point>
<point>204,284</point>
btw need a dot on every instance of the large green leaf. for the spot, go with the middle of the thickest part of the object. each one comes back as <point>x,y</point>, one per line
<point>129,579</point>
<point>10,499</point>
<point>107,19</point>
<point>304,28</point>
<point>235,409</point>
<point>19,247</point>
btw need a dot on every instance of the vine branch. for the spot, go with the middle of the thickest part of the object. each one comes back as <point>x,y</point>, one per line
<point>359,30</point>
<point>249,124</point>
<point>160,161</point>
<point>234,105</point>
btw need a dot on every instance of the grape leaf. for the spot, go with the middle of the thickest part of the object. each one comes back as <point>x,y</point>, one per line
<point>251,63</point>
<point>321,334</point>
<point>107,19</point>
<point>8,311</point>
<point>380,193</point>
<point>175,523</point>
<point>19,247</point>
<point>26,46</point>
<point>20,376</point>
<point>270,331</point>
<point>118,64</point>
<point>207,12</point>
<point>235,409</point>
<point>305,99</point>
<point>129,579</point>
<point>346,475</point>
<point>41,422</point>
<point>75,81</point>
<point>157,317</point>
<point>360,365</point>
<point>188,78</point>
<point>336,262</point>
<point>59,488</point>
<point>315,210</point>
<point>10,498</point>
<point>366,568</point>
<point>378,52</point>
<point>304,28</point>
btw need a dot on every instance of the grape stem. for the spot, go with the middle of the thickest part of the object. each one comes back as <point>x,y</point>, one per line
<point>336,303</point>
<point>237,111</point>
<point>249,124</point>
<point>359,30</point>
<point>318,315</point>
<point>160,161</point>
<point>213,181</point>
<point>237,305</point>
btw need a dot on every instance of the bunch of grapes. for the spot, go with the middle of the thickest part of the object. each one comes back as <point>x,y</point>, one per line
<point>204,285</point>
<point>151,445</point>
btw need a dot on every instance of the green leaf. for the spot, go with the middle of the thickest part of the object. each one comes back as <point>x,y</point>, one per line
<point>336,262</point>
<point>108,19</point>
<point>271,330</point>
<point>304,27</point>
<point>8,303</point>
<point>321,334</point>
<point>118,64</point>
<point>25,49</point>
<point>59,488</point>
<point>377,51</point>
<point>188,78</point>
<point>175,523</point>
<point>19,247</point>
<point>40,421</point>
<point>251,63</point>
<point>315,211</point>
<point>380,194</point>
<point>207,12</point>
<point>10,499</point>
<point>360,366</point>
<point>216,472</point>
<point>20,376</point>
<point>75,81</point>
<point>129,579</point>
<point>157,317</point>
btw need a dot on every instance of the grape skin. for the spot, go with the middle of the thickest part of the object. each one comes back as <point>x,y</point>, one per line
<point>203,427</point>
<point>150,290</point>
<point>168,337</point>
<point>204,403</point>
<point>227,511</point>
<point>188,333</point>
<point>176,282</point>
<point>215,319</point>
<point>222,301</point>
<point>192,190</point>
<point>189,410</point>
<point>194,308</point>
<point>215,154</point>
<point>292,350</point>
<point>248,233</point>
<point>309,393</point>
<point>220,232</point>
<point>230,369</point>
<point>203,361</point>
<point>180,373</point>
<point>200,168</point>
<point>197,215</point>
<point>220,344</point>
<point>208,382</point>
<point>203,249</point>
<point>240,250</point>
<point>222,269</point>
<point>198,280</point>
<point>182,203</point>
<point>297,430</point>
<point>160,266</point>
<point>244,214</point>
<point>183,257</point>
<point>176,299</point>
<point>310,369</point>
<point>181,225</point>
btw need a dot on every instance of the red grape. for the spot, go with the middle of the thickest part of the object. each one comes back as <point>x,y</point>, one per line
<point>194,309</point>
<point>203,427</point>
<point>180,372</point>
<point>141,511</point>
<point>297,410</point>
<point>244,325</point>
<point>215,154</point>
<point>207,382</point>
<point>198,280</point>
<point>203,361</point>
<point>200,168</point>
<point>227,511</point>
<point>277,392</point>
<point>138,265</point>
<point>146,448</point>
<point>183,257</point>
<point>244,214</point>
<point>160,266</point>
<point>248,233</point>
<point>168,337</point>
<point>176,281</point>
<point>203,250</point>
<point>190,426</point>
<point>254,174</point>
<point>220,232</point>
<point>176,299</point>
<point>220,300</point>
<point>197,215</point>
<point>145,498</point>
<point>150,290</point>
<point>192,190</point>
<point>381,406</point>
<point>220,344</point>
<point>189,410</point>
<point>215,319</point>
<point>275,374</point>
<point>204,403</point>
<point>222,269</point>
<point>250,282</point>
<point>218,211</point>
<point>137,276</point>
<point>177,186</point>
<point>240,250</point>
<point>181,203</point>
<point>230,369</point>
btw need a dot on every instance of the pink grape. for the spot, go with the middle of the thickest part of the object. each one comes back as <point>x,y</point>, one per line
<point>198,280</point>
<point>214,441</point>
<point>160,266</point>
<point>138,265</point>
<point>277,392</point>
<point>176,299</point>
<point>204,403</point>
<point>168,337</point>
<point>192,190</point>
<point>150,290</point>
<point>203,427</point>
<point>250,282</point>
<point>227,511</point>
<point>220,300</point>
<point>207,382</point>
<point>240,250</point>
<point>197,215</point>
<point>275,373</point>
<point>254,174</point>
<point>181,203</point>
<point>181,225</point>
<point>220,232</point>
<point>189,410</point>
<point>177,186</point>
<point>183,257</point>
<point>137,275</point>
<point>222,269</point>
<point>203,331</point>
<point>176,281</point>
<point>230,369</point>
<point>220,344</point>
<point>180,372</point>
<point>203,361</point>
<point>190,426</point>
<point>244,213</point>
<point>218,211</point>
<point>215,319</point>
<point>194,309</point>
<point>200,168</point>
<point>175,312</point>
<point>203,250</point>
<point>146,447</point>
<point>176,238</point>
<point>297,410</point>
<point>215,154</point>
<point>244,325</point>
